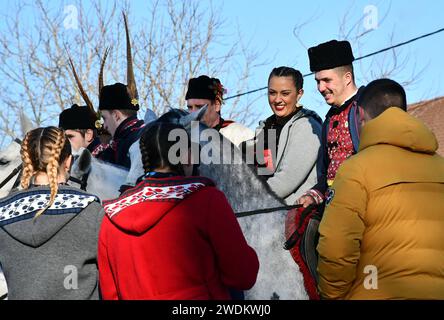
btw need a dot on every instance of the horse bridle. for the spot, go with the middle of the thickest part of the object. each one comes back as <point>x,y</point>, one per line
<point>82,182</point>
<point>18,169</point>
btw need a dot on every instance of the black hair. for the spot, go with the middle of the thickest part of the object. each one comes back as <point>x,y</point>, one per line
<point>155,146</point>
<point>381,94</point>
<point>288,72</point>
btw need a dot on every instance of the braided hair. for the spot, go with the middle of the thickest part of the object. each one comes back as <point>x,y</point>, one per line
<point>44,150</point>
<point>155,146</point>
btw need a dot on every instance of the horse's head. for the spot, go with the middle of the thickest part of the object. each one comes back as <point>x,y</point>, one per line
<point>10,159</point>
<point>184,118</point>
<point>98,177</point>
<point>150,116</point>
<point>81,163</point>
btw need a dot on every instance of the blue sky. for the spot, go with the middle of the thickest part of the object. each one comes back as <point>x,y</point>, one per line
<point>268,25</point>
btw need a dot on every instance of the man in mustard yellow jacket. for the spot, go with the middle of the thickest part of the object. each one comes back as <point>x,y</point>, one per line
<point>382,234</point>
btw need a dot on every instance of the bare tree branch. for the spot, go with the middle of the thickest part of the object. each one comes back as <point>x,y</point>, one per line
<point>173,42</point>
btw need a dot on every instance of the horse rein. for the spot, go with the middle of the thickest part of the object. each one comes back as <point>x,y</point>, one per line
<point>268,210</point>
<point>83,182</point>
<point>18,169</point>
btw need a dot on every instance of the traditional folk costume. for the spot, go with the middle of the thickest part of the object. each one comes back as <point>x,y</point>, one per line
<point>116,97</point>
<point>339,140</point>
<point>341,128</point>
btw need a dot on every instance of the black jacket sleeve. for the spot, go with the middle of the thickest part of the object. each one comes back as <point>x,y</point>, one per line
<point>322,161</point>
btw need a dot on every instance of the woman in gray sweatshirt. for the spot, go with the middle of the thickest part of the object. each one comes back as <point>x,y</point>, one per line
<point>48,230</point>
<point>286,157</point>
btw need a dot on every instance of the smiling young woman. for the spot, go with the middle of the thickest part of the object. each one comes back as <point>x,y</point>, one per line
<point>290,158</point>
<point>283,95</point>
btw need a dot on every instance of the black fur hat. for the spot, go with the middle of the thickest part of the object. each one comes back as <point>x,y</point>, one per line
<point>116,97</point>
<point>77,117</point>
<point>329,55</point>
<point>204,87</point>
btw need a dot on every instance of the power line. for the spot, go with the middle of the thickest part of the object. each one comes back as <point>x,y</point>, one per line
<point>357,59</point>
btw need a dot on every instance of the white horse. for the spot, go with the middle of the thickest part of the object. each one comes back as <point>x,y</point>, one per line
<point>279,277</point>
<point>9,161</point>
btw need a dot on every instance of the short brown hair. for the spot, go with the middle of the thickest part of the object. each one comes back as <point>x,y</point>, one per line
<point>347,68</point>
<point>128,112</point>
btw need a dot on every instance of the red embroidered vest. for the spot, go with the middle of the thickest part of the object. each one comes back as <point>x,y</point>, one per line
<point>339,142</point>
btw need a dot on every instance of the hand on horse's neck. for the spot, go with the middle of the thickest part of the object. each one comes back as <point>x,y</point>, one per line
<point>41,178</point>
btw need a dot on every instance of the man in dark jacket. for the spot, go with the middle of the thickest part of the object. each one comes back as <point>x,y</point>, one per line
<point>332,64</point>
<point>119,113</point>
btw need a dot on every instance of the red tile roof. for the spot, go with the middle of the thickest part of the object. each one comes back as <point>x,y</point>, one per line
<point>431,112</point>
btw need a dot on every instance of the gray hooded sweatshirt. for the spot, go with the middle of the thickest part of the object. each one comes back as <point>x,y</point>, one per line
<point>53,256</point>
<point>298,146</point>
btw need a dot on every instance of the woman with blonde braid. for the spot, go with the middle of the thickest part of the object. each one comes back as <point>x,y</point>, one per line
<point>48,230</point>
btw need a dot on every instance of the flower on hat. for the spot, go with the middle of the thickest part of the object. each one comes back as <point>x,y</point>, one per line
<point>134,102</point>
<point>218,90</point>
<point>99,123</point>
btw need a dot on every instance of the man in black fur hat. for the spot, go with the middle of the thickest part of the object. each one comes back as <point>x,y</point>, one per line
<point>119,112</point>
<point>204,90</point>
<point>80,125</point>
<point>332,64</point>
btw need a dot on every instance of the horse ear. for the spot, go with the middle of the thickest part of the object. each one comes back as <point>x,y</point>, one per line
<point>150,116</point>
<point>26,123</point>
<point>186,120</point>
<point>82,162</point>
<point>201,113</point>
